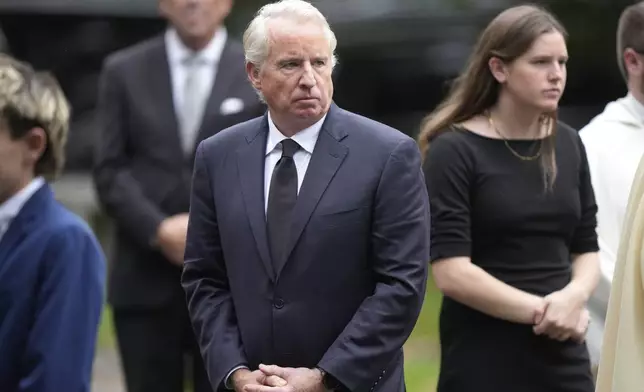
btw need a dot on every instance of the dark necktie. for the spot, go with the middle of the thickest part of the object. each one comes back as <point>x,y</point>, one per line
<point>282,196</point>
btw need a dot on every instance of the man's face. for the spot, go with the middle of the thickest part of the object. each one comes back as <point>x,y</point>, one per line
<point>16,167</point>
<point>295,79</point>
<point>195,19</point>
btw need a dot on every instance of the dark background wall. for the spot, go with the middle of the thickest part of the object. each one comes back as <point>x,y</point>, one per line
<point>396,56</point>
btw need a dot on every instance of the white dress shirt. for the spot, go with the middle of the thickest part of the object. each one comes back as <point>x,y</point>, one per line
<point>306,138</point>
<point>204,70</point>
<point>11,208</point>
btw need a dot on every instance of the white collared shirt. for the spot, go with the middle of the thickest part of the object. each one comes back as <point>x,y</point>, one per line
<point>636,106</point>
<point>306,138</point>
<point>11,208</point>
<point>206,69</point>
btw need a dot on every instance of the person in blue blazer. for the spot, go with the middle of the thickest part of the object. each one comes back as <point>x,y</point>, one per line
<point>52,269</point>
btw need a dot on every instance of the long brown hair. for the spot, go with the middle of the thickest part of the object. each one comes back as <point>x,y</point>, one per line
<point>507,37</point>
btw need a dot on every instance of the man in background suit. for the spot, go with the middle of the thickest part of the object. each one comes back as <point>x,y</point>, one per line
<point>308,238</point>
<point>157,100</point>
<point>52,268</point>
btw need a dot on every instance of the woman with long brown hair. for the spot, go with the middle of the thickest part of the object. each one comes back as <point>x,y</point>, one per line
<point>513,216</point>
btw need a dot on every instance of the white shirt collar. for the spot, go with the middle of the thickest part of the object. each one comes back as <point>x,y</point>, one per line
<point>306,138</point>
<point>179,52</point>
<point>636,106</point>
<point>11,208</point>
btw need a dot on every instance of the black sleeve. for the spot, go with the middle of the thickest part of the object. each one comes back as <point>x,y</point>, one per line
<point>447,173</point>
<point>585,236</point>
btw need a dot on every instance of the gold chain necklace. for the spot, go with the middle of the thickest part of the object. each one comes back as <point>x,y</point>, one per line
<point>507,144</point>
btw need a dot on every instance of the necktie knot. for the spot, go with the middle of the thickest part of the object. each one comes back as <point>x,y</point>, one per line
<point>193,101</point>
<point>289,148</point>
<point>193,60</point>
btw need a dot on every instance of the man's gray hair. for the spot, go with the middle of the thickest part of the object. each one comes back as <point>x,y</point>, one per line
<point>256,36</point>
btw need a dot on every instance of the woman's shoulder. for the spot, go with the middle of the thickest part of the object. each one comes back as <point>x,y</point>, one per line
<point>453,136</point>
<point>566,130</point>
<point>568,135</point>
<point>452,144</point>
<point>569,143</point>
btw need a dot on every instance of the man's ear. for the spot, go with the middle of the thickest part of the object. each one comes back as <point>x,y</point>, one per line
<point>36,144</point>
<point>498,69</point>
<point>162,7</point>
<point>633,62</point>
<point>253,75</point>
<point>225,7</point>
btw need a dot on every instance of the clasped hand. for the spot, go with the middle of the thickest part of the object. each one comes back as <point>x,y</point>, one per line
<point>563,316</point>
<point>171,236</point>
<point>272,378</point>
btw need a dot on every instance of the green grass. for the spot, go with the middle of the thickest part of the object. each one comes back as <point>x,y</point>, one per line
<point>421,375</point>
<point>427,325</point>
<point>421,350</point>
<point>106,338</point>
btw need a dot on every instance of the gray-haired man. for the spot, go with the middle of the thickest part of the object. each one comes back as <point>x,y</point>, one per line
<point>308,237</point>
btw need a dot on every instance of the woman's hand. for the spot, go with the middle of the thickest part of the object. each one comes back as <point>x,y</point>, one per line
<point>582,327</point>
<point>565,316</point>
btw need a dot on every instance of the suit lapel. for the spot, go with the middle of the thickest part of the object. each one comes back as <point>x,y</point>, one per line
<point>20,225</point>
<point>161,90</point>
<point>15,233</point>
<point>250,161</point>
<point>227,69</point>
<point>327,158</point>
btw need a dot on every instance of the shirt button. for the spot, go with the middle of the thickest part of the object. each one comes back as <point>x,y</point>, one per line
<point>279,303</point>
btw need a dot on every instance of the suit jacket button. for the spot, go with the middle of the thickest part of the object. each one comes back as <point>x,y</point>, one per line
<point>279,303</point>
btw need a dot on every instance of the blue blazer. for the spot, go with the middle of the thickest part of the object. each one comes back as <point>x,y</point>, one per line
<point>353,284</point>
<point>52,273</point>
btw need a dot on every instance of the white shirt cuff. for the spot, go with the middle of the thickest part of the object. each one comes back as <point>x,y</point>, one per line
<point>227,380</point>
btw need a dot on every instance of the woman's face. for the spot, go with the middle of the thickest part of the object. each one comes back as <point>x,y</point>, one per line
<point>538,77</point>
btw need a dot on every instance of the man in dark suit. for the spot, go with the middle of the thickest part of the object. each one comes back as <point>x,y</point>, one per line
<point>308,237</point>
<point>52,268</point>
<point>157,100</point>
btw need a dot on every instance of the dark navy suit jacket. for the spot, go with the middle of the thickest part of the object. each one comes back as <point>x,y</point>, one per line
<point>352,288</point>
<point>52,273</point>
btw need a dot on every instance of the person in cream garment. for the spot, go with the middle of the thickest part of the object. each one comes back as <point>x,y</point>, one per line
<point>622,355</point>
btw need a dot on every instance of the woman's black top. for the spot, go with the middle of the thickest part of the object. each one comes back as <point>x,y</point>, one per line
<point>491,206</point>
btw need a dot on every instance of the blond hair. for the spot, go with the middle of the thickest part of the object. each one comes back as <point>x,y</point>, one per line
<point>30,99</point>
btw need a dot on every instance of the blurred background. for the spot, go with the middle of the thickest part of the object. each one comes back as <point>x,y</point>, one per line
<point>396,59</point>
